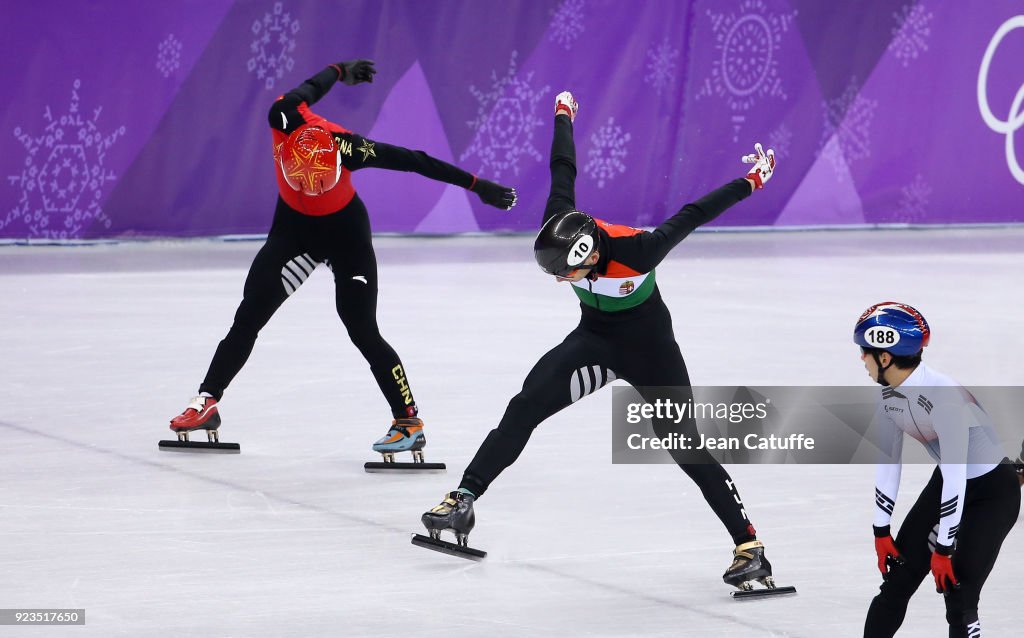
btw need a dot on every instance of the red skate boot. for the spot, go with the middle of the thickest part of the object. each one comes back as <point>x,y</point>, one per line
<point>201,414</point>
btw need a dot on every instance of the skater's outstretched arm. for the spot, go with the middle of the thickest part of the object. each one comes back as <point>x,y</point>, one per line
<point>644,251</point>
<point>358,152</point>
<point>291,110</point>
<point>563,158</point>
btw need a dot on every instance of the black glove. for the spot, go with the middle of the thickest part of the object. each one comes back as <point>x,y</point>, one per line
<point>494,194</point>
<point>356,71</point>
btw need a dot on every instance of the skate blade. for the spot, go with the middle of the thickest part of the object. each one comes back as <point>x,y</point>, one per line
<point>763,593</point>
<point>200,446</point>
<point>448,548</point>
<point>401,468</point>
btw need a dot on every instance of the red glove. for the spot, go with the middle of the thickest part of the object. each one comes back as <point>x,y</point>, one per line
<point>885,549</point>
<point>942,569</point>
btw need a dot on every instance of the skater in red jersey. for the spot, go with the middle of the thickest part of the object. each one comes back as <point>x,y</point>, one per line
<point>320,219</point>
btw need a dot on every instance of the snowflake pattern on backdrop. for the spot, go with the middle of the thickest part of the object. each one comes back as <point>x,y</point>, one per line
<point>780,140</point>
<point>505,122</point>
<point>913,204</point>
<point>910,35</point>
<point>272,46</point>
<point>607,150</point>
<point>848,120</point>
<point>168,55</point>
<point>661,66</point>
<point>567,23</point>
<point>746,68</point>
<point>63,176</point>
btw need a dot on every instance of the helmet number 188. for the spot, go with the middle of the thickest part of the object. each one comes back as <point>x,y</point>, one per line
<point>882,336</point>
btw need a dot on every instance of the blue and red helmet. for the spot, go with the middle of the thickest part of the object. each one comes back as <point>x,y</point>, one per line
<point>894,327</point>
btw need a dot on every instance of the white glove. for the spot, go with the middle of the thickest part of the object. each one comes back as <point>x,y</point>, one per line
<point>566,103</point>
<point>764,165</point>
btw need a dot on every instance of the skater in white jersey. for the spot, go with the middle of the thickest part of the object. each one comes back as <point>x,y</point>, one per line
<point>972,499</point>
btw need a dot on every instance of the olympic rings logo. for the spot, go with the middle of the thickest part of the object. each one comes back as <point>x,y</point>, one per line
<point>1015,119</point>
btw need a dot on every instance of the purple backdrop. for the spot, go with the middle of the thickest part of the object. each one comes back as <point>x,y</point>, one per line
<point>145,119</point>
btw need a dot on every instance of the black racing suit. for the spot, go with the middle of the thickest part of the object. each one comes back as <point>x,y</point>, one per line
<point>333,229</point>
<point>625,334</point>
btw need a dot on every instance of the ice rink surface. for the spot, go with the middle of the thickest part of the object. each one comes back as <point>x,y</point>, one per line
<point>101,345</point>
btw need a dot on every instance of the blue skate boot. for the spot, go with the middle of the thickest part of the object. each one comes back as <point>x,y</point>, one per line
<point>405,435</point>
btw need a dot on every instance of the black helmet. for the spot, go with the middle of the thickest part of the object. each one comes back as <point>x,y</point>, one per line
<point>565,242</point>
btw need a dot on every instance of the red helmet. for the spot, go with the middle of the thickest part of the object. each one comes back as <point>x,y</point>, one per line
<point>310,161</point>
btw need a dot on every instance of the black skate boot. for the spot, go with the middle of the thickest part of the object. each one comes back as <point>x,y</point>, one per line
<point>454,513</point>
<point>749,564</point>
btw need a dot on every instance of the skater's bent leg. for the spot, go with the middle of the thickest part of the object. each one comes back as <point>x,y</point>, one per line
<point>279,268</point>
<point>721,494</point>
<point>567,373</point>
<point>357,307</point>
<point>714,482</point>
<point>889,607</point>
<point>660,374</point>
<point>352,258</point>
<point>991,507</point>
<point>505,443</point>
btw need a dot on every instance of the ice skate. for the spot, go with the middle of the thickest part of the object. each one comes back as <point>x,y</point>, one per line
<point>201,414</point>
<point>749,565</point>
<point>405,435</point>
<point>454,513</point>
